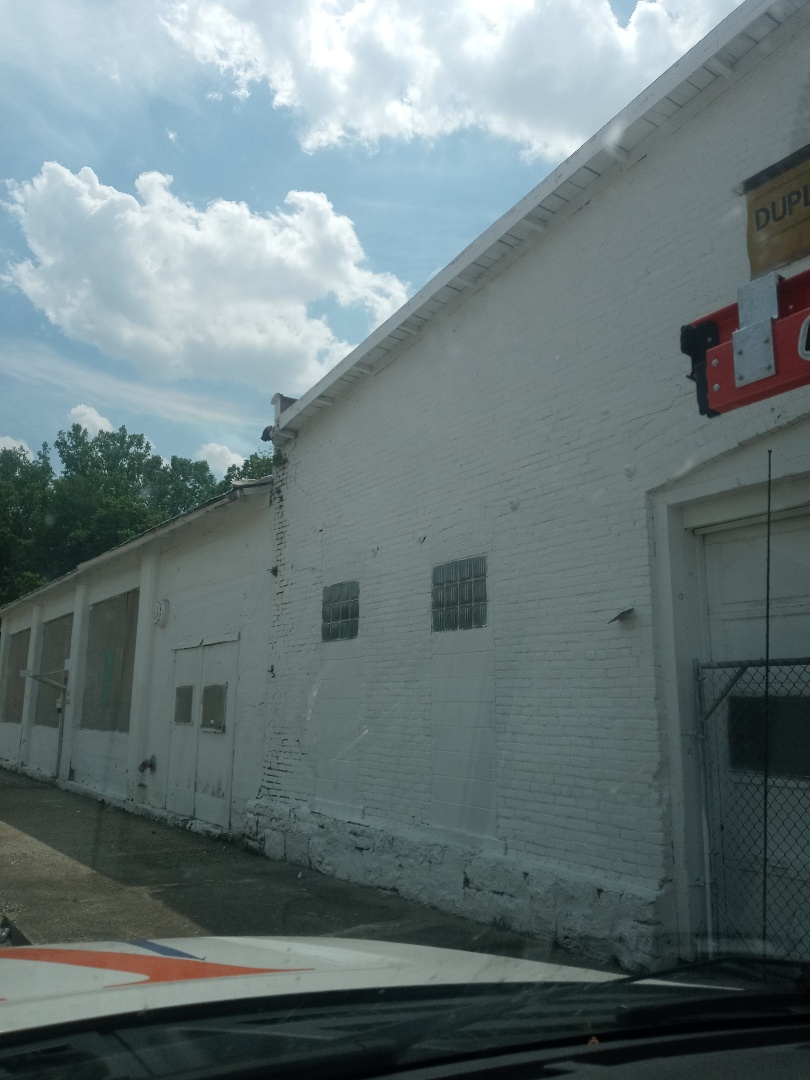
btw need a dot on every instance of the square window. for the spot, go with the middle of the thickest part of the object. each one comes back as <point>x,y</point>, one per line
<point>458,594</point>
<point>183,703</point>
<point>213,707</point>
<point>340,611</point>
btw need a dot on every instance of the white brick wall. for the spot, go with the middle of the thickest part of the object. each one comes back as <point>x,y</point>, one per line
<point>529,423</point>
<point>215,571</point>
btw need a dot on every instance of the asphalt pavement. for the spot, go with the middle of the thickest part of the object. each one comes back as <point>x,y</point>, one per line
<point>73,868</point>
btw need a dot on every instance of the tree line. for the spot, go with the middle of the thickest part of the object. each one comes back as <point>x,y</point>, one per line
<point>109,488</point>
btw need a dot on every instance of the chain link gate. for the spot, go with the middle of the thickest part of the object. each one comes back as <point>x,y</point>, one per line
<point>757,789</point>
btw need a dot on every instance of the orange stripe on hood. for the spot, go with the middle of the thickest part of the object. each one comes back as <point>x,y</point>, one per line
<point>157,969</point>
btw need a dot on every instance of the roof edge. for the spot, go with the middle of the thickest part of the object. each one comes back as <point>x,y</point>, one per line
<point>237,489</point>
<point>607,139</point>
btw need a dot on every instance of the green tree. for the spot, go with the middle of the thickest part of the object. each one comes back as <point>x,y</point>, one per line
<point>111,487</point>
<point>24,490</point>
<point>258,465</point>
<point>178,486</point>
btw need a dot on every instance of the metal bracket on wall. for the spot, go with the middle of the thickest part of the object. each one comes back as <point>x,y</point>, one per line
<point>758,305</point>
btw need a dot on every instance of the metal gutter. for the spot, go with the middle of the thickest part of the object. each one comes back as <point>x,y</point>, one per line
<point>710,65</point>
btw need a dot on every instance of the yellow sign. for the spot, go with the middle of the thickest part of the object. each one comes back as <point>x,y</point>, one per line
<point>779,220</point>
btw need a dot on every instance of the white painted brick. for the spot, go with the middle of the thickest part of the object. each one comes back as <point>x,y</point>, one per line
<point>529,424</point>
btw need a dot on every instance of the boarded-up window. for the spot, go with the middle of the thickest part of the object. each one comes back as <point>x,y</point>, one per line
<point>213,707</point>
<point>15,684</point>
<point>55,651</point>
<point>788,739</point>
<point>110,663</point>
<point>183,703</point>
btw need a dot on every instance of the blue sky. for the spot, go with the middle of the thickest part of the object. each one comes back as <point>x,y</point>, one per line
<point>209,201</point>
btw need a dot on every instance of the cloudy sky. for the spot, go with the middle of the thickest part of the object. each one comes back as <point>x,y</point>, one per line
<point>204,202</point>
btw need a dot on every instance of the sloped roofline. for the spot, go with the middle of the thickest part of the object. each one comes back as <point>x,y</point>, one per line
<point>237,489</point>
<point>716,62</point>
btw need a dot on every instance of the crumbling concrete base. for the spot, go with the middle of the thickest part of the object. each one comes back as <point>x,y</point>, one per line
<point>596,915</point>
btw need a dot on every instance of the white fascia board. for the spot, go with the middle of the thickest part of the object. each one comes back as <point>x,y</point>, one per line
<point>607,139</point>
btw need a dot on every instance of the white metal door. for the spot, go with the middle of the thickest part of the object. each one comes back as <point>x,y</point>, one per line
<point>217,710</point>
<point>183,738</point>
<point>735,586</point>
<point>202,733</point>
<point>758,780</point>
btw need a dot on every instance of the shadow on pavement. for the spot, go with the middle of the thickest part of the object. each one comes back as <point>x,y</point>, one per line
<point>78,869</point>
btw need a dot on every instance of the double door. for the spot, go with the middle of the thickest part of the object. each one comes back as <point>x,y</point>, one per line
<point>201,743</point>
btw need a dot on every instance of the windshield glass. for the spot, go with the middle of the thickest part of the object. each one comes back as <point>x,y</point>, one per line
<point>404,514</point>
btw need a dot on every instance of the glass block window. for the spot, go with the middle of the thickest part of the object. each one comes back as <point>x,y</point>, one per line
<point>340,611</point>
<point>213,707</point>
<point>459,594</point>
<point>183,704</point>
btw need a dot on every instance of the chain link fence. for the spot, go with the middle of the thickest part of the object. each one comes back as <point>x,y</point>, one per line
<point>757,761</point>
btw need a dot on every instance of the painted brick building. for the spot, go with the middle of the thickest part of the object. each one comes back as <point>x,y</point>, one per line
<point>161,647</point>
<point>506,535</point>
<point>472,625</point>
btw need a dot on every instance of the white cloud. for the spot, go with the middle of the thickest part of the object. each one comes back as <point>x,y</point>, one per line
<point>89,418</point>
<point>50,372</point>
<point>543,73</point>
<point>180,291</point>
<point>219,457</point>
<point>7,443</point>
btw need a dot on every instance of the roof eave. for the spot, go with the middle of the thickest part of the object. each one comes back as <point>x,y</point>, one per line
<point>528,214</point>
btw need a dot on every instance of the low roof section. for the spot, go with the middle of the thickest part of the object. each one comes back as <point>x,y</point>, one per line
<point>239,489</point>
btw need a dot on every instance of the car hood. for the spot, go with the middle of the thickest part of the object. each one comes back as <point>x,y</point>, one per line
<point>45,985</point>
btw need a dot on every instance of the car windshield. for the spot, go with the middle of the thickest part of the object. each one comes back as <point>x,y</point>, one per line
<point>404,524</point>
